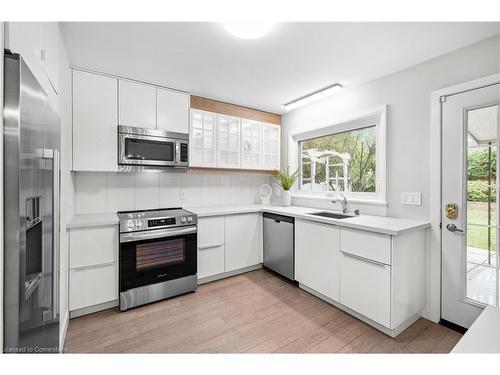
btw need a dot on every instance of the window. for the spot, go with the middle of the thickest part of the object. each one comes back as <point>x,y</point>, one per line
<point>341,161</point>
<point>348,155</point>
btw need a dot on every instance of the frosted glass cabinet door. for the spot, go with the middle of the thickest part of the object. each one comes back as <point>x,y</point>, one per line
<point>271,145</point>
<point>203,140</point>
<point>228,142</point>
<point>251,139</point>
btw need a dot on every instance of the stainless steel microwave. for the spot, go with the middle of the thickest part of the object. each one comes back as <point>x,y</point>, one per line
<point>152,148</point>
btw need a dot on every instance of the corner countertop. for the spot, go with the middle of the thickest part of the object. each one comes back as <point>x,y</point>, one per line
<point>379,224</point>
<point>484,334</point>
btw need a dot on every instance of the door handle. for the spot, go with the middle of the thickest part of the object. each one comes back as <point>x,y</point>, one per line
<point>453,228</point>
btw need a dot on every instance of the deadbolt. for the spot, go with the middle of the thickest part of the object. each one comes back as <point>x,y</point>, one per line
<point>451,210</point>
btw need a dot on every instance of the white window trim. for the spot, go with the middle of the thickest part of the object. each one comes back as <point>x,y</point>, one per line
<point>353,120</point>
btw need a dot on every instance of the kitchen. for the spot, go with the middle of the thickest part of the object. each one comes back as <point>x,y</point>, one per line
<point>166,208</point>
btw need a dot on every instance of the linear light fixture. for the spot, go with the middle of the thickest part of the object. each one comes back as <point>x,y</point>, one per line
<point>312,97</point>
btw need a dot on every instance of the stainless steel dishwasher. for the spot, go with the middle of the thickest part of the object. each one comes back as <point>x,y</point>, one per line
<point>279,254</point>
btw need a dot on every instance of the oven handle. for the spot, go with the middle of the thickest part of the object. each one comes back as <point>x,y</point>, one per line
<point>160,233</point>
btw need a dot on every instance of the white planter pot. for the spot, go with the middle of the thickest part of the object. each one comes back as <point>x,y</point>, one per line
<point>286,198</point>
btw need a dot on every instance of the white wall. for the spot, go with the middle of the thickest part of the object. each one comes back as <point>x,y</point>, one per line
<point>112,192</point>
<point>67,185</point>
<point>407,94</point>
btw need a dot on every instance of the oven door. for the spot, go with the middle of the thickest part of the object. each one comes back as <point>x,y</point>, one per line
<point>146,150</point>
<point>154,256</point>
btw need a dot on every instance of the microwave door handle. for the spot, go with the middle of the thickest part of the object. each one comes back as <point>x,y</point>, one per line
<point>177,152</point>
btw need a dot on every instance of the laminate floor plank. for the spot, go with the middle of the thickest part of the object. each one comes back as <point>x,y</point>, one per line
<point>256,312</point>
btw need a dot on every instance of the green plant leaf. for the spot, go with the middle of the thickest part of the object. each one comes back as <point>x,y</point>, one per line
<point>285,179</point>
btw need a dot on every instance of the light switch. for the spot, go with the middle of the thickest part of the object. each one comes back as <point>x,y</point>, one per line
<point>411,198</point>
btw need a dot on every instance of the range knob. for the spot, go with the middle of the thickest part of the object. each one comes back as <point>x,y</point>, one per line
<point>130,224</point>
<point>138,223</point>
<point>183,219</point>
<point>190,219</point>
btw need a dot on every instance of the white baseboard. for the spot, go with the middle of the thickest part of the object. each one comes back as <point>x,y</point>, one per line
<point>388,331</point>
<point>228,274</point>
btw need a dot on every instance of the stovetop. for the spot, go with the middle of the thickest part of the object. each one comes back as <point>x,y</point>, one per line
<point>134,221</point>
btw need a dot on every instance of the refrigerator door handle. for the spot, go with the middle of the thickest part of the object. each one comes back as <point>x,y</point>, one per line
<point>55,232</point>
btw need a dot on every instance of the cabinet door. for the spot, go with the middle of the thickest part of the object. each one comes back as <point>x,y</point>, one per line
<point>50,52</point>
<point>210,246</point>
<point>317,257</point>
<point>243,241</point>
<point>271,146</point>
<point>95,103</point>
<point>228,138</point>
<point>93,285</point>
<point>365,287</point>
<point>93,246</point>
<point>172,111</point>
<point>202,139</point>
<point>251,139</point>
<point>137,105</point>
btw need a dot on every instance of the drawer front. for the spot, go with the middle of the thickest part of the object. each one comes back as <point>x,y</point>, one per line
<point>365,287</point>
<point>210,261</point>
<point>93,285</point>
<point>368,245</point>
<point>93,246</point>
<point>211,231</point>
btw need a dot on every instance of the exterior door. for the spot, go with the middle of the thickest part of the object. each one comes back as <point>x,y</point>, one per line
<point>470,258</point>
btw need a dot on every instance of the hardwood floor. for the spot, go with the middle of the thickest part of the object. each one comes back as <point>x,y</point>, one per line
<point>256,312</point>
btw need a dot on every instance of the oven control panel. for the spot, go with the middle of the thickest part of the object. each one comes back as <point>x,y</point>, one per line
<point>161,222</point>
<point>152,219</point>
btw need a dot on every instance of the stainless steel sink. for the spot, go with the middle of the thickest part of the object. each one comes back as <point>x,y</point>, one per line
<point>332,215</point>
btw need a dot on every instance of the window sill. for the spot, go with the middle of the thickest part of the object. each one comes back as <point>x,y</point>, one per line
<point>320,197</point>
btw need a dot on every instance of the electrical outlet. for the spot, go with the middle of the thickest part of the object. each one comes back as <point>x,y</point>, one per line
<point>411,198</point>
<point>182,195</point>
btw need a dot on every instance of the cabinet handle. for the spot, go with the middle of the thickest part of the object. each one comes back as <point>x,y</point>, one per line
<point>210,246</point>
<point>363,259</point>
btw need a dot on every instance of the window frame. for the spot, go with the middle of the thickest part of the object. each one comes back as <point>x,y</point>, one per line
<point>371,117</point>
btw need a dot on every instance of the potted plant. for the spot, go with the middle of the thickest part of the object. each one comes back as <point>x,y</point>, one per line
<point>286,181</point>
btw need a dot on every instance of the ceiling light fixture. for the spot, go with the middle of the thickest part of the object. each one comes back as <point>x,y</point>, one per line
<point>248,30</point>
<point>314,96</point>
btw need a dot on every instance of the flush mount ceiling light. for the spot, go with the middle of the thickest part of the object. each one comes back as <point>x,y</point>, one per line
<point>312,97</point>
<point>248,30</point>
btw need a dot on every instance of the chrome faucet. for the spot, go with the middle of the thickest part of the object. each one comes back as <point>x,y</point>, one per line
<point>340,198</point>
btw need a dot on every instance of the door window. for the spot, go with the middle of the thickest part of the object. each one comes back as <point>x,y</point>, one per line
<point>482,211</point>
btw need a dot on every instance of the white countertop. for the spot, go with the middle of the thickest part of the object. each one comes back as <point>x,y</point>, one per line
<point>484,334</point>
<point>379,224</point>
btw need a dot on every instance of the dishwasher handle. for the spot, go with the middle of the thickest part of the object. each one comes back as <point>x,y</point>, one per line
<point>279,218</point>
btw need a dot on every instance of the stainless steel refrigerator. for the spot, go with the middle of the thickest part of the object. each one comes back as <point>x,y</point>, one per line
<point>31,213</point>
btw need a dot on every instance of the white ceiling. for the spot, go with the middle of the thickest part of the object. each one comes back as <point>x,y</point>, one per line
<point>292,60</point>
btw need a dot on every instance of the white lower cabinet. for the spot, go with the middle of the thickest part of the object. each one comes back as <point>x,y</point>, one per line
<point>93,275</point>
<point>317,257</point>
<point>365,287</point>
<point>210,246</point>
<point>243,241</point>
<point>91,286</point>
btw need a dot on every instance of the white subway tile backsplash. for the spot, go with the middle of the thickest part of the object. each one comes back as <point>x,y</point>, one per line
<point>120,192</point>
<point>192,190</point>
<point>170,189</point>
<point>210,193</point>
<point>111,192</point>
<point>146,190</point>
<point>90,193</point>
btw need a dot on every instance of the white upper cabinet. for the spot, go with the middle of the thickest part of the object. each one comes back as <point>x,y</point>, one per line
<point>202,139</point>
<point>172,111</point>
<point>271,146</point>
<point>137,105</point>
<point>95,122</point>
<point>228,142</point>
<point>251,140</point>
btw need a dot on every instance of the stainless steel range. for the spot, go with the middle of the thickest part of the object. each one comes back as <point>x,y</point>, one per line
<point>158,255</point>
